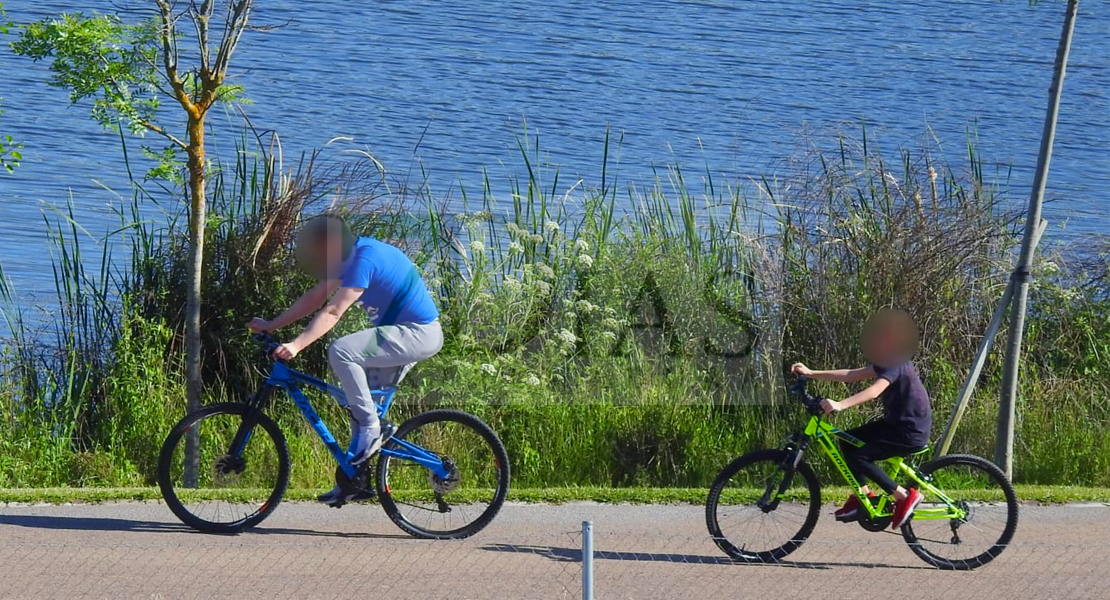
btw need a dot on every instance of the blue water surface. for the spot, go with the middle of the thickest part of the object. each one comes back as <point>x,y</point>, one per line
<point>446,87</point>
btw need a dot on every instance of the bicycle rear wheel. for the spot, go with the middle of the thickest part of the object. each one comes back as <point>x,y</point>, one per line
<point>459,505</point>
<point>747,517</point>
<point>241,475</point>
<point>979,488</point>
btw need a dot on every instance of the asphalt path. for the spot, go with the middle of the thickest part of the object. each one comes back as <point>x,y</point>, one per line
<point>139,550</point>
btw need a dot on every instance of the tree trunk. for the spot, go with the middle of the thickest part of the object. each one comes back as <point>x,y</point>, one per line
<point>194,385</point>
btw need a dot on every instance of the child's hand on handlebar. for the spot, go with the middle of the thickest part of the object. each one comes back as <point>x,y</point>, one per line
<point>831,406</point>
<point>800,369</point>
<point>287,351</point>
<point>258,325</point>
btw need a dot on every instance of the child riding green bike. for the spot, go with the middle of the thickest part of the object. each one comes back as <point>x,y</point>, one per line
<point>889,343</point>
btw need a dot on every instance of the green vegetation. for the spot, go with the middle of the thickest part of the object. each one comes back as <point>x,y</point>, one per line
<point>611,349</point>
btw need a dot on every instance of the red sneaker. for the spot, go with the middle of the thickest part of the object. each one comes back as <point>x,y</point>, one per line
<point>850,510</point>
<point>903,509</point>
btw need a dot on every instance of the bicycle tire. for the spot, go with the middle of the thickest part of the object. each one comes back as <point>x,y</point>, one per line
<point>774,554</point>
<point>1007,533</point>
<point>390,505</point>
<point>165,465</point>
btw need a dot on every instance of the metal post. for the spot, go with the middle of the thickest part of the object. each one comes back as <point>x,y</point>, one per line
<point>1004,442</point>
<point>980,359</point>
<point>587,560</point>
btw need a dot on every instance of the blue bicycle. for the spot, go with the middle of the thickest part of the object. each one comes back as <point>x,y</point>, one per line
<point>442,474</point>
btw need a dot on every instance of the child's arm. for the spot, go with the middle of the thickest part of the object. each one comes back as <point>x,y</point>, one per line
<point>321,323</point>
<point>310,302</point>
<point>873,391</point>
<point>838,375</point>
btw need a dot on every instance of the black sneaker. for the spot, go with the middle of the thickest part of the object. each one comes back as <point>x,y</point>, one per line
<point>336,497</point>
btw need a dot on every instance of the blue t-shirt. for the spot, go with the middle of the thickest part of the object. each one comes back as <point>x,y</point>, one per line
<point>906,403</point>
<point>394,292</point>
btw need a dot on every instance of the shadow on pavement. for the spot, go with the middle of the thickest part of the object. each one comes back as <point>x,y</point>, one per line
<point>110,524</point>
<point>575,555</point>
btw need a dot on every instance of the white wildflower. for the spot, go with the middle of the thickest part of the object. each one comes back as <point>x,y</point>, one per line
<point>551,227</point>
<point>515,248</point>
<point>543,287</point>
<point>567,337</point>
<point>544,271</point>
<point>585,262</point>
<point>581,245</point>
<point>532,380</point>
<point>610,323</point>
<point>489,369</point>
<point>477,247</point>
<point>484,215</point>
<point>608,336</point>
<point>1049,268</point>
<point>536,238</point>
<point>512,284</point>
<point>585,306</point>
<point>513,229</point>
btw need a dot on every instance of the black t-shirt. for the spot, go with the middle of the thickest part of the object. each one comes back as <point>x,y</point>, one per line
<point>906,403</point>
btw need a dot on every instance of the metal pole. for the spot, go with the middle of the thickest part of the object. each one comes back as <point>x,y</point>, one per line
<point>976,369</point>
<point>980,360</point>
<point>587,560</point>
<point>1004,442</point>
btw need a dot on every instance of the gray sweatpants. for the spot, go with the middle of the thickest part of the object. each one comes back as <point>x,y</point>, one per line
<point>379,357</point>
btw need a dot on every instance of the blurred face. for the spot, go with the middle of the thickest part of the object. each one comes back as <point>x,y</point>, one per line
<point>889,338</point>
<point>329,254</point>
<point>321,252</point>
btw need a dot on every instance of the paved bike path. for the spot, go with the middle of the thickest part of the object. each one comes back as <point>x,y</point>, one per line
<point>139,550</point>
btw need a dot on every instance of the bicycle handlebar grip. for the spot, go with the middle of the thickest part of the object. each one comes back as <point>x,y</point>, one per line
<point>267,341</point>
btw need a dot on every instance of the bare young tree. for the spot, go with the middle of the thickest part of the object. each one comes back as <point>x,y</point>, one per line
<point>125,69</point>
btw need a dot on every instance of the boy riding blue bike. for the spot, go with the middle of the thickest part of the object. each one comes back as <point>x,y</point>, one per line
<point>385,283</point>
<point>889,342</point>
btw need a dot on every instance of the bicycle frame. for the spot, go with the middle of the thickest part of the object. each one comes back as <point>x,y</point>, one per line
<point>828,438</point>
<point>282,377</point>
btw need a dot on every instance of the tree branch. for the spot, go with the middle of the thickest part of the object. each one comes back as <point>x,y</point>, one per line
<point>236,24</point>
<point>202,17</point>
<point>169,54</point>
<point>162,132</point>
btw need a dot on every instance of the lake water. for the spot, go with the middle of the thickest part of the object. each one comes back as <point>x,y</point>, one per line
<point>447,85</point>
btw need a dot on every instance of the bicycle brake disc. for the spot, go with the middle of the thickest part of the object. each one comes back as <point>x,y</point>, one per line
<point>445,485</point>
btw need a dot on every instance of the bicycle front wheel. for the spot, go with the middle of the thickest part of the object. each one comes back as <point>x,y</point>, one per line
<point>979,489</point>
<point>758,510</point>
<point>467,492</point>
<point>240,474</point>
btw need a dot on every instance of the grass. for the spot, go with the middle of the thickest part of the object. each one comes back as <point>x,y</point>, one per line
<point>1029,494</point>
<point>610,348</point>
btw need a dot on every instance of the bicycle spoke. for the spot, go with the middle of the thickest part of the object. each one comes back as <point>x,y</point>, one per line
<point>447,502</point>
<point>985,530</point>
<point>229,490</point>
<point>751,524</point>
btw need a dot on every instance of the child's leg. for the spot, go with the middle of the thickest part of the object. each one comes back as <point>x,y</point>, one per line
<point>868,433</point>
<point>380,348</point>
<point>862,461</point>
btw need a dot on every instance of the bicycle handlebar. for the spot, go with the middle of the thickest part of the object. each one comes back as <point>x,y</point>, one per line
<point>811,402</point>
<point>268,342</point>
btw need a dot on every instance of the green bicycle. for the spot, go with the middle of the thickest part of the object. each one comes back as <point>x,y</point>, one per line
<point>765,504</point>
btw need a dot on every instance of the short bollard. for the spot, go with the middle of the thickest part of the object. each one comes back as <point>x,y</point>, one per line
<point>587,560</point>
